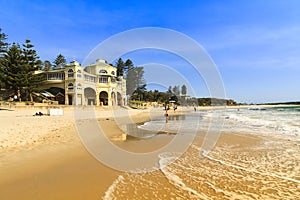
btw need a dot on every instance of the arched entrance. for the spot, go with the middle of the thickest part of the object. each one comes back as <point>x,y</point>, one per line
<point>119,99</point>
<point>103,98</point>
<point>90,96</point>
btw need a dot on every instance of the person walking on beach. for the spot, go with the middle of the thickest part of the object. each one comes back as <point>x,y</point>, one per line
<point>166,114</point>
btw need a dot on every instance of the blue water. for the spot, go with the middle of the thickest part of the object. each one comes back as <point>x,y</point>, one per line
<point>270,120</point>
<point>282,120</point>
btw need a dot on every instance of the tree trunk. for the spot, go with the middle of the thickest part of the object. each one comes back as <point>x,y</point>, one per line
<point>31,98</point>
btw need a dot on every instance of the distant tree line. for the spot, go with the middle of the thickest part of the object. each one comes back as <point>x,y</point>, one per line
<point>173,94</point>
<point>136,87</point>
<point>59,63</point>
<point>214,102</point>
<point>177,96</point>
<point>281,103</point>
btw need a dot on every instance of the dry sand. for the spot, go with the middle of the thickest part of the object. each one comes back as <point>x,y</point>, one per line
<point>41,157</point>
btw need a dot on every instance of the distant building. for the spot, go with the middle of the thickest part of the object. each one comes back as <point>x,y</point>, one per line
<point>96,84</point>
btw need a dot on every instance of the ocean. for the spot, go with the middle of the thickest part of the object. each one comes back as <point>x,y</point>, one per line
<point>257,156</point>
<point>283,120</point>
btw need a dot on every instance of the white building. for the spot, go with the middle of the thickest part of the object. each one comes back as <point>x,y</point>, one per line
<point>96,84</point>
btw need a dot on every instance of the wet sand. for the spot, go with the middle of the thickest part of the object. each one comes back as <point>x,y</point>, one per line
<point>241,166</point>
<point>43,158</point>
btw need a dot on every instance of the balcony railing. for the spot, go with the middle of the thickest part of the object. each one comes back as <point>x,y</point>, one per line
<point>55,76</point>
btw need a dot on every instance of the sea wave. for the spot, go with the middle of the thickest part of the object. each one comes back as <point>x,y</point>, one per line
<point>264,171</point>
<point>268,122</point>
<point>109,193</point>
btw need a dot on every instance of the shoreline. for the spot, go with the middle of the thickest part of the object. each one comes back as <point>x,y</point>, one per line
<point>59,167</point>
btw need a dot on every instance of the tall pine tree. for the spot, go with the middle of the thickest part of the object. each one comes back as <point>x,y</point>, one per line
<point>3,43</point>
<point>128,66</point>
<point>18,67</point>
<point>47,65</point>
<point>59,62</point>
<point>120,67</point>
<point>3,49</point>
<point>176,90</point>
<point>183,90</point>
<point>30,65</point>
<point>134,79</point>
<point>10,67</point>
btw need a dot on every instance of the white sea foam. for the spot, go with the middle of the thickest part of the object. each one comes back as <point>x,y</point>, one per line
<point>153,126</point>
<point>250,170</point>
<point>174,179</point>
<point>109,193</point>
<point>185,174</point>
<point>270,121</point>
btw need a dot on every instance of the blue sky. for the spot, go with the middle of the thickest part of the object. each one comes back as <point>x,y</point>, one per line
<point>255,44</point>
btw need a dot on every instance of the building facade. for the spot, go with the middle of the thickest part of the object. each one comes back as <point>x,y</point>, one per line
<point>96,84</point>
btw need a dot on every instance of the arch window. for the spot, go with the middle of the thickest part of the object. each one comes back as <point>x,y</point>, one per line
<point>70,73</point>
<point>70,86</point>
<point>79,86</point>
<point>103,71</point>
<point>79,73</point>
<point>113,73</point>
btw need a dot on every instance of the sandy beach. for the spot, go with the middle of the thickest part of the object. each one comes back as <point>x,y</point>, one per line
<point>42,157</point>
<point>149,100</point>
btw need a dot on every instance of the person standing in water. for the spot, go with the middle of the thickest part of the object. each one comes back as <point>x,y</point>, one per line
<point>166,114</point>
